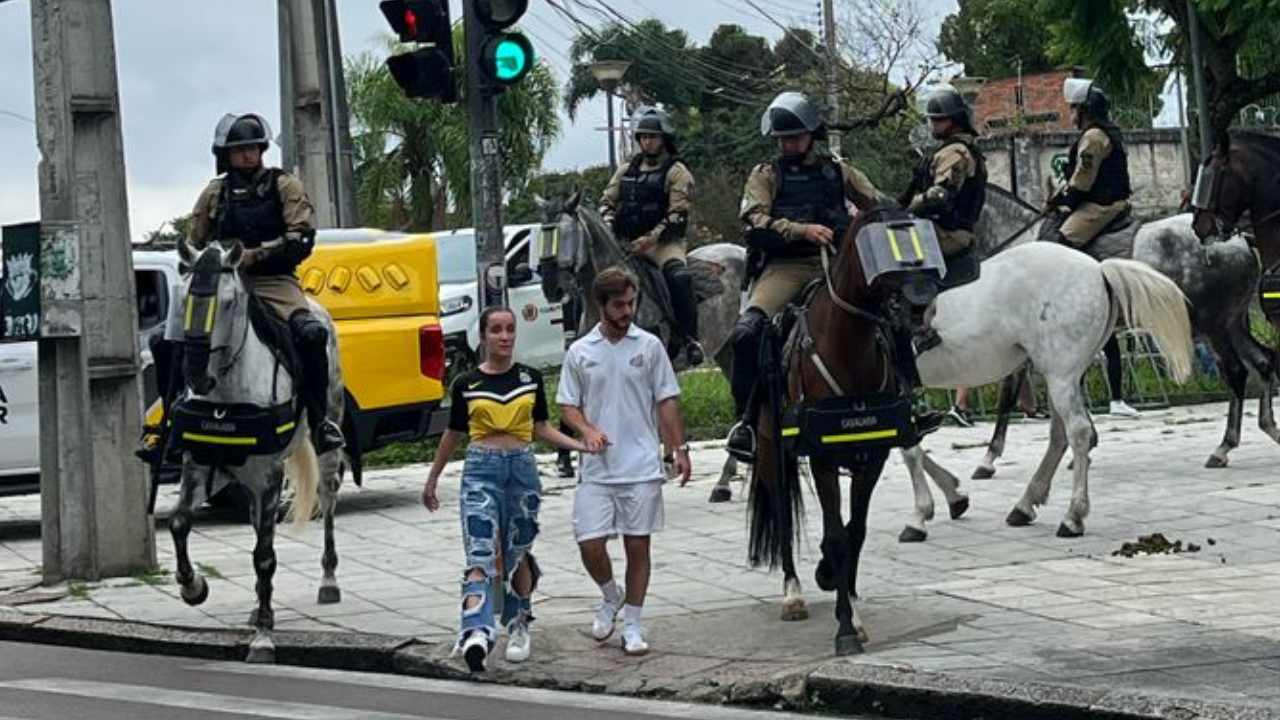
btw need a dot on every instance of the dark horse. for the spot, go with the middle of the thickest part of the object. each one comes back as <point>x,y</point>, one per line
<point>576,243</point>
<point>1242,176</point>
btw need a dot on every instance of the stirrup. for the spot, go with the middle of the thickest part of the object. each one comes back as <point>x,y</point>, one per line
<point>925,339</point>
<point>694,353</point>
<point>742,442</point>
<point>327,437</point>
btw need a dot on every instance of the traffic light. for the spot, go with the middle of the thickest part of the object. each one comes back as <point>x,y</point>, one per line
<point>504,57</point>
<point>427,72</point>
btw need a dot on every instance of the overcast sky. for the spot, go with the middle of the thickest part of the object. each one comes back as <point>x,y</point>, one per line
<point>182,64</point>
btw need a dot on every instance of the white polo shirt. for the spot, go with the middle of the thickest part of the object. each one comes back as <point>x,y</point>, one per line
<point>618,387</point>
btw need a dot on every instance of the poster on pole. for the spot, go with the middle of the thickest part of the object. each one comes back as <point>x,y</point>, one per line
<point>20,283</point>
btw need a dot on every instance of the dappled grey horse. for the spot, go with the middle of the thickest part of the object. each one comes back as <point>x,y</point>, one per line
<point>576,243</point>
<point>238,420</point>
<point>1218,280</point>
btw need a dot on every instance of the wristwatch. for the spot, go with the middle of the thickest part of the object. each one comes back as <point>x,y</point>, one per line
<point>683,448</point>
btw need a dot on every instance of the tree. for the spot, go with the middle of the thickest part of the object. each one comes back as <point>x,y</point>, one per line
<point>996,38</point>
<point>1237,50</point>
<point>170,233</point>
<point>659,60</point>
<point>523,208</point>
<point>412,158</point>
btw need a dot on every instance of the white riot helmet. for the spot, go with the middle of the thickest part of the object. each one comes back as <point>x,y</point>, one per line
<point>1085,94</point>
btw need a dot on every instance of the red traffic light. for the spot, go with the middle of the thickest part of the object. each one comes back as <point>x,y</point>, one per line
<point>423,21</point>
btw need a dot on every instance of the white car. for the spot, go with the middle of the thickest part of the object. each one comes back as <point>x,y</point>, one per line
<point>540,323</point>
<point>156,276</point>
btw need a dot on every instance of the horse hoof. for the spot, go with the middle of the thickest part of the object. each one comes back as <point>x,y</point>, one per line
<point>329,594</point>
<point>1066,532</point>
<point>197,592</point>
<point>848,645</point>
<point>912,535</point>
<point>983,473</point>
<point>959,508</point>
<point>1017,518</point>
<point>261,653</point>
<point>720,494</point>
<point>824,576</point>
<point>793,610</point>
<point>1215,462</point>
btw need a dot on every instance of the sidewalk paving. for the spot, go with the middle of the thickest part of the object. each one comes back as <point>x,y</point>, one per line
<point>982,619</point>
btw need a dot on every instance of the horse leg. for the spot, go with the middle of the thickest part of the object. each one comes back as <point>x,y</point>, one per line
<point>721,492</point>
<point>1080,434</point>
<point>194,588</point>
<point>863,485</point>
<point>793,603</point>
<point>916,531</point>
<point>1236,375</point>
<point>834,567</point>
<point>1037,491</point>
<point>330,480</point>
<point>1009,389</point>
<point>1263,360</point>
<point>266,501</point>
<point>957,499</point>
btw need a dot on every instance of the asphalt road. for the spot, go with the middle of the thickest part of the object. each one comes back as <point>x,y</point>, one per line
<point>39,682</point>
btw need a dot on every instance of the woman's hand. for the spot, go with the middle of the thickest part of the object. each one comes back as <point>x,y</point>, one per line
<point>429,498</point>
<point>595,441</point>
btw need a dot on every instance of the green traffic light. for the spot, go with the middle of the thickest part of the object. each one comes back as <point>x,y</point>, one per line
<point>508,57</point>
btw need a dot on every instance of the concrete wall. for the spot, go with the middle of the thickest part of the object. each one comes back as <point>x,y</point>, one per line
<point>1157,168</point>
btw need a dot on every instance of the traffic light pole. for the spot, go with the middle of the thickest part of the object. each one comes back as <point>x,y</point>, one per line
<point>486,169</point>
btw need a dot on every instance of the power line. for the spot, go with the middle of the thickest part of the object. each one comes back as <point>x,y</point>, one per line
<point>24,118</point>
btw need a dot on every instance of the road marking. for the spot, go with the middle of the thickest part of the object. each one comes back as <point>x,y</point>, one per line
<point>581,701</point>
<point>207,702</point>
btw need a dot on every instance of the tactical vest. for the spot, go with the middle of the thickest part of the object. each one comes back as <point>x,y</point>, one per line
<point>253,214</point>
<point>642,198</point>
<point>1112,183</point>
<point>811,193</point>
<point>966,206</point>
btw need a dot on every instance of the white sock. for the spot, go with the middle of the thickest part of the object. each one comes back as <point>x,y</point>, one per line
<point>631,613</point>
<point>612,593</point>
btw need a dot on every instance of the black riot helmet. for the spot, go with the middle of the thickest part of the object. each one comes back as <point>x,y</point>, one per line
<point>791,113</point>
<point>648,119</point>
<point>946,102</point>
<point>235,131</point>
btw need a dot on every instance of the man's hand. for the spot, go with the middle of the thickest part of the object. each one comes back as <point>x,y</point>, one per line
<point>595,440</point>
<point>250,257</point>
<point>684,467</point>
<point>643,244</point>
<point>818,234</point>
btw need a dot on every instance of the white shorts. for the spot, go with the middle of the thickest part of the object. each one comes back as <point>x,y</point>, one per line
<point>607,510</point>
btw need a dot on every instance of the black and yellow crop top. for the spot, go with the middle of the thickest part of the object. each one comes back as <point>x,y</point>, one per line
<point>484,404</point>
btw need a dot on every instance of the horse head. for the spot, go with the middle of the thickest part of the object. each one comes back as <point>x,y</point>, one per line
<point>562,247</point>
<point>213,296</point>
<point>1222,191</point>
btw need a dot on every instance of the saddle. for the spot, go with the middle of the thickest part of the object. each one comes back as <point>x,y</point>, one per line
<point>654,285</point>
<point>275,334</point>
<point>1114,241</point>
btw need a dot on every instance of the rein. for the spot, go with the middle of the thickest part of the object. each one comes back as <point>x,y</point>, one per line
<point>841,302</point>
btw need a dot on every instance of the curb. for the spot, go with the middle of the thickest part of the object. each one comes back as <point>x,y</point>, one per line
<point>836,687</point>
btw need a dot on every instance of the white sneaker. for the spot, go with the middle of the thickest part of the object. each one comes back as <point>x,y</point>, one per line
<point>606,615</point>
<point>474,650</point>
<point>518,643</point>
<point>1120,408</point>
<point>633,642</point>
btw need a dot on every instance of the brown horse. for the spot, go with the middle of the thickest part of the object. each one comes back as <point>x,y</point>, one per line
<point>847,347</point>
<point>1242,176</point>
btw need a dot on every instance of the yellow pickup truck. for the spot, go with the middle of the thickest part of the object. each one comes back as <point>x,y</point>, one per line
<point>383,292</point>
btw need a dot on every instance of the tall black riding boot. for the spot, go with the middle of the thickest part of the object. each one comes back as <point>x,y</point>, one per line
<point>312,340</point>
<point>685,304</point>
<point>743,378</point>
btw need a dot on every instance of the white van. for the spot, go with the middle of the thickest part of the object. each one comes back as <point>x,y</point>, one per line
<point>155,275</point>
<point>540,323</point>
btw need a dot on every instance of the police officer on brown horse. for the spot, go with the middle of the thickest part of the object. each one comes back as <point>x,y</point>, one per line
<point>792,207</point>
<point>268,211</point>
<point>1097,189</point>
<point>949,188</point>
<point>647,205</point>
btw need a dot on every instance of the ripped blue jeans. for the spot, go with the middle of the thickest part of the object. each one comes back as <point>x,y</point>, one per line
<point>500,500</point>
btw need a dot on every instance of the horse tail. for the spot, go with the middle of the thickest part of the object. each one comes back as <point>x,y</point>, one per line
<point>1149,300</point>
<point>302,471</point>
<point>775,505</point>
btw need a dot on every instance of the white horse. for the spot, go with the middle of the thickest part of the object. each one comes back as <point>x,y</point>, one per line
<point>1054,307</point>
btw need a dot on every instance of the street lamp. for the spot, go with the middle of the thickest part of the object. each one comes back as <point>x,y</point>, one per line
<point>608,73</point>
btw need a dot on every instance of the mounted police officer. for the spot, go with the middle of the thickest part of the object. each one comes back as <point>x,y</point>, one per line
<point>647,205</point>
<point>949,188</point>
<point>792,207</point>
<point>268,211</point>
<point>1097,189</point>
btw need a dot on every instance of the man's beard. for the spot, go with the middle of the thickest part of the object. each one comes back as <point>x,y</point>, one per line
<point>619,324</point>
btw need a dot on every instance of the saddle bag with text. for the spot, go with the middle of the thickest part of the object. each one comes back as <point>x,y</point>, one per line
<point>219,434</point>
<point>849,428</point>
<point>1269,293</point>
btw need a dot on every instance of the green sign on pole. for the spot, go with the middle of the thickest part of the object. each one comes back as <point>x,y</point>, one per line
<point>20,288</point>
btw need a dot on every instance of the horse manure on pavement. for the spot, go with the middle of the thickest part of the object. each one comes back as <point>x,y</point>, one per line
<point>1154,544</point>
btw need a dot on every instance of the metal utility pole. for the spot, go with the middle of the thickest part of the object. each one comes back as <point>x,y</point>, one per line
<point>486,168</point>
<point>833,67</point>
<point>93,491</point>
<point>1197,75</point>
<point>315,124</point>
